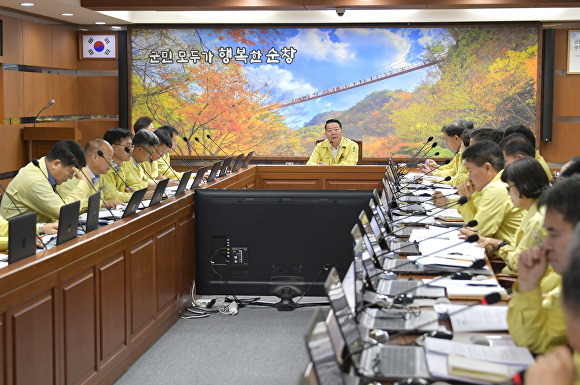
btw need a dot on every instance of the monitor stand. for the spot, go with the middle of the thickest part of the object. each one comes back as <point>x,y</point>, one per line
<point>286,288</point>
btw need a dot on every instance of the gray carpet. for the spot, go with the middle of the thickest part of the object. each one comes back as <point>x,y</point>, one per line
<point>257,346</point>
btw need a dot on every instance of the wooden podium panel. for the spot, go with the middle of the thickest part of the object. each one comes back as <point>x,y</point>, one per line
<point>39,140</point>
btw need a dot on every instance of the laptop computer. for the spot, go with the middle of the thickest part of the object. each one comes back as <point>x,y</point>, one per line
<point>92,222</point>
<point>214,171</point>
<point>199,177</point>
<point>183,182</point>
<point>238,163</point>
<point>322,354</point>
<point>247,161</point>
<point>21,237</point>
<point>134,203</point>
<point>390,245</point>
<point>379,362</point>
<point>159,191</point>
<point>68,222</point>
<point>224,170</point>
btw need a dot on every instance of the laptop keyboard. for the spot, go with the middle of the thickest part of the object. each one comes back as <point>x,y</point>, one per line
<point>399,360</point>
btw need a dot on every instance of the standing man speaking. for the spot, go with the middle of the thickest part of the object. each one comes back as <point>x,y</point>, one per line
<point>334,149</point>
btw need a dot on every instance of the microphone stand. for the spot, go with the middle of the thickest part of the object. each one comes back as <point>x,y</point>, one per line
<point>194,150</point>
<point>217,145</point>
<point>204,146</point>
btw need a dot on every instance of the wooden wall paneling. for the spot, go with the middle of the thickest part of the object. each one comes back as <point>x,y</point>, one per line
<point>186,232</point>
<point>3,332</point>
<point>566,97</point>
<point>34,350</point>
<point>37,47</point>
<point>295,184</point>
<point>351,184</point>
<point>561,49</point>
<point>64,93</point>
<point>65,51</point>
<point>98,95</point>
<point>95,128</point>
<point>13,151</point>
<point>13,90</point>
<point>112,308</point>
<point>38,92</point>
<point>166,259</point>
<point>564,145</point>
<point>142,280</point>
<point>12,40</point>
<point>80,327</point>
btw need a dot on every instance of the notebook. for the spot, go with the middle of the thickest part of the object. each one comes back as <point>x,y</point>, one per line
<point>199,177</point>
<point>134,203</point>
<point>159,191</point>
<point>183,182</point>
<point>238,163</point>
<point>378,362</point>
<point>68,222</point>
<point>92,221</point>
<point>214,171</point>
<point>21,237</point>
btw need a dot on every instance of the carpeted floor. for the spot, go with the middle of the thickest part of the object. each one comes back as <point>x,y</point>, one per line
<point>257,346</point>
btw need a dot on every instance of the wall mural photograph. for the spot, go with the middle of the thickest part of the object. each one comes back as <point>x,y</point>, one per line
<point>271,89</point>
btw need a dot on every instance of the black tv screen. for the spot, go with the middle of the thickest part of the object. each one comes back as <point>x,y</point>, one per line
<point>266,241</point>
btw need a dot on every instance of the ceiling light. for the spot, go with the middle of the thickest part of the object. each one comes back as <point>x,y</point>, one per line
<point>27,4</point>
<point>100,22</point>
<point>115,27</point>
<point>67,14</point>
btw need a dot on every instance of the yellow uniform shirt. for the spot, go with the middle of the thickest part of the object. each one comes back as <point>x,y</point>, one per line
<point>152,171</point>
<point>135,175</point>
<point>540,159</point>
<point>461,176</point>
<point>32,192</point>
<point>114,187</point>
<point>167,171</point>
<point>494,212</point>
<point>524,238</point>
<point>449,169</point>
<point>3,234</point>
<point>537,321</point>
<point>347,153</point>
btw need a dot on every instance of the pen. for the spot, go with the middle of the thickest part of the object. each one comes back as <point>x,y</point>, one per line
<point>482,284</point>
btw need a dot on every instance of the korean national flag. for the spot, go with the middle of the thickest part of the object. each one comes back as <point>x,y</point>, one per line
<point>99,46</point>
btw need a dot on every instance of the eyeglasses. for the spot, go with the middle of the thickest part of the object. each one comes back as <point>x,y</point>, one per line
<point>509,187</point>
<point>149,152</point>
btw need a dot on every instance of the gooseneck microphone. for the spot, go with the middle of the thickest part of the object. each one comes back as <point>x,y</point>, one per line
<point>204,146</point>
<point>218,146</point>
<point>43,108</point>
<point>181,157</point>
<point>409,191</point>
<point>11,200</point>
<point>161,157</point>
<point>92,186</point>
<point>422,147</point>
<point>415,163</point>
<point>447,161</point>
<point>100,153</point>
<point>186,140</point>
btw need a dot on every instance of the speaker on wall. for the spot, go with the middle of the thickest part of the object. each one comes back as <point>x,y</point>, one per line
<point>549,42</point>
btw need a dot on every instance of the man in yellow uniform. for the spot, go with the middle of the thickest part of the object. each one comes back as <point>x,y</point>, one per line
<point>529,135</point>
<point>152,164</point>
<point>114,182</point>
<point>36,188</point>
<point>494,212</point>
<point>144,143</point>
<point>335,149</point>
<point>517,146</point>
<point>96,166</point>
<point>164,163</point>
<point>535,318</point>
<point>561,366</point>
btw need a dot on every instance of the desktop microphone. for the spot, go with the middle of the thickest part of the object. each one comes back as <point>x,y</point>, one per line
<point>489,299</point>
<point>218,146</point>
<point>462,200</point>
<point>194,150</point>
<point>416,161</point>
<point>100,153</point>
<point>161,157</point>
<point>414,164</point>
<point>421,149</point>
<point>181,157</point>
<point>471,223</point>
<point>447,161</point>
<point>204,146</point>
<point>43,108</point>
<point>400,189</point>
<point>93,187</point>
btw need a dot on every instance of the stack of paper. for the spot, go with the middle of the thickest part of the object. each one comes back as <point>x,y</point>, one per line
<point>468,288</point>
<point>476,318</point>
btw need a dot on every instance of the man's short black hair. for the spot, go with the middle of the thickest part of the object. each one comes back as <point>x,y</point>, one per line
<point>517,144</point>
<point>172,130</point>
<point>164,137</point>
<point>457,128</point>
<point>142,123</point>
<point>480,134</point>
<point>521,129</point>
<point>145,138</point>
<point>116,135</point>
<point>67,151</point>
<point>563,197</point>
<point>483,152</point>
<point>571,276</point>
<point>573,168</point>
<point>333,121</point>
<point>528,175</point>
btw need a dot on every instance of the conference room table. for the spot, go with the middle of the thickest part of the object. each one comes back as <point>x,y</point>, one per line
<point>82,312</point>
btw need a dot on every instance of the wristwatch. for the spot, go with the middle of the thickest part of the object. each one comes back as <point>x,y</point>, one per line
<point>502,244</point>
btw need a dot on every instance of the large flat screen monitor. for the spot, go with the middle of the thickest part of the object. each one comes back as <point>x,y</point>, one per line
<point>269,241</point>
